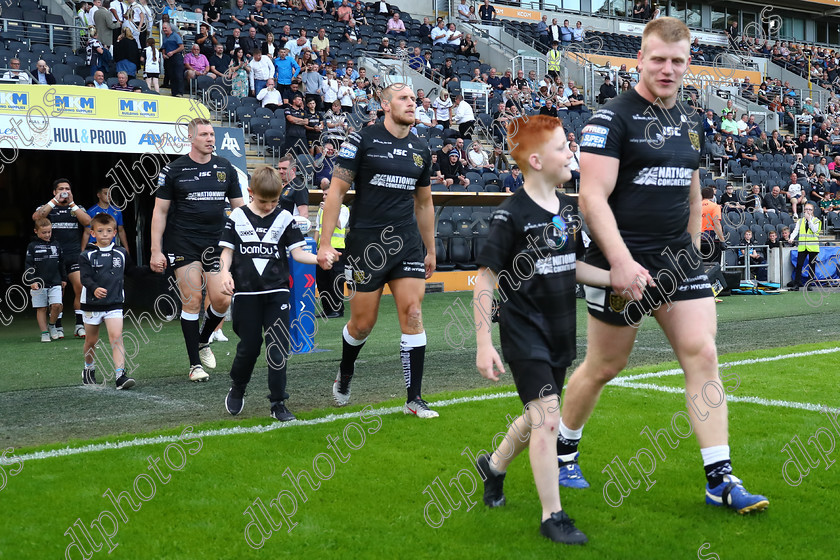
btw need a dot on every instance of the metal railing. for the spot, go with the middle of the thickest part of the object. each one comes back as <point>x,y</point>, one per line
<point>52,34</point>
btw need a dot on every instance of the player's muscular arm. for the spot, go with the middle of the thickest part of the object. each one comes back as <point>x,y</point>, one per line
<point>158,261</point>
<point>341,181</point>
<point>424,210</point>
<point>598,176</point>
<point>695,213</point>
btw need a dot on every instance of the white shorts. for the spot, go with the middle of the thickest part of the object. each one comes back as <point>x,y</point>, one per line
<point>46,296</point>
<point>96,317</point>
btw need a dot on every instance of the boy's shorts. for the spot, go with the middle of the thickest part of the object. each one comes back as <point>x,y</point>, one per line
<point>536,379</point>
<point>46,296</point>
<point>96,317</point>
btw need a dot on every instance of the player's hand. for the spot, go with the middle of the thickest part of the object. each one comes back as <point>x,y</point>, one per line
<point>35,287</point>
<point>489,363</point>
<point>629,279</point>
<point>227,285</point>
<point>158,261</point>
<point>63,285</point>
<point>327,255</point>
<point>430,263</point>
<point>100,293</point>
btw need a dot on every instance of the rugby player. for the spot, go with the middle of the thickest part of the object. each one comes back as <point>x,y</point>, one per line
<point>640,195</point>
<point>194,188</point>
<point>392,219</point>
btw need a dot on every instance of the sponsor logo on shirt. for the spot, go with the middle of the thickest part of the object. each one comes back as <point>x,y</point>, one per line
<point>593,136</point>
<point>347,151</point>
<point>418,160</point>
<point>221,176</point>
<point>665,176</point>
<point>393,181</point>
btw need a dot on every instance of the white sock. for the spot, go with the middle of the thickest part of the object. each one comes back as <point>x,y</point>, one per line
<point>350,340</point>
<point>569,433</point>
<point>715,454</point>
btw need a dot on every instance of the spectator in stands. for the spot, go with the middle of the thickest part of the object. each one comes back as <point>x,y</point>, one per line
<point>795,194</point>
<point>206,42</point>
<point>478,159</point>
<point>238,72</point>
<point>349,70</point>
<point>196,64</point>
<point>743,127</point>
<point>639,11</point>
<point>729,200</point>
<point>625,86</point>
<point>733,34</point>
<point>219,62</point>
<point>250,42</point>
<point>386,48</point>
<point>105,25</point>
<point>313,6</point>
<point>359,15</point>
<point>443,108</point>
<point>415,61</point>
<point>498,160</point>
<point>697,51</point>
<point>269,96</point>
<point>711,230</point>
<point>752,127</point>
<point>16,74</point>
<point>351,33</point>
<point>262,68</point>
<point>747,89</point>
<point>312,85</point>
<point>424,32</point>
<point>453,169</point>
<point>121,83</point>
<point>753,201</point>
<point>463,116</point>
<point>494,81</point>
<point>776,144</point>
<point>212,12</point>
<point>822,167</point>
<point>774,201</point>
<point>99,80</point>
<point>346,94</point>
<point>542,30</point>
<point>762,144</point>
<point>787,115</point>
<point>554,60</point>
<point>819,189</point>
<point>233,41</point>
<point>453,38</point>
<point>728,126</point>
<point>574,163</point>
<point>314,126</point>
<point>717,152</point>
<point>487,12</point>
<point>240,15</point>
<point>425,117</point>
<point>438,34</point>
<point>730,147</point>
<point>549,108</point>
<point>270,47</point>
<point>755,255</point>
<point>815,147</point>
<point>336,123</point>
<point>513,181</point>
<point>578,33</point>
<point>396,26</point>
<point>321,45</point>
<point>834,168</point>
<point>286,69</point>
<point>576,101</point>
<point>607,91</point>
<point>566,34</point>
<point>435,175</point>
<point>827,205</point>
<point>468,47</point>
<point>344,12</point>
<point>42,75</point>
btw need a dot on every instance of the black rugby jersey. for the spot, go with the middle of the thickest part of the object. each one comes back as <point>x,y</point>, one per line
<point>293,195</point>
<point>259,248</point>
<point>659,151</point>
<point>388,170</point>
<point>106,267</point>
<point>66,230</point>
<point>45,260</point>
<point>197,192</point>
<point>533,251</point>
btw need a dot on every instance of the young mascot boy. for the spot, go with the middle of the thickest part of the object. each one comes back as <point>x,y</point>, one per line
<point>45,269</point>
<point>255,267</point>
<point>532,252</point>
<point>103,268</point>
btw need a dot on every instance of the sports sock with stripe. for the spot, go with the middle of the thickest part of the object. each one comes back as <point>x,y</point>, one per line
<point>716,463</point>
<point>567,442</point>
<point>189,326</point>
<point>212,318</point>
<point>349,352</point>
<point>413,356</point>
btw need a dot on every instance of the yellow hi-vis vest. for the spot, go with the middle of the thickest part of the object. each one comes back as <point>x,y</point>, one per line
<point>809,240</point>
<point>554,60</point>
<point>337,240</point>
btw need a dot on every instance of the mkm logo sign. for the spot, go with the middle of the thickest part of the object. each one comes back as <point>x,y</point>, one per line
<point>16,101</point>
<point>75,104</point>
<point>138,108</point>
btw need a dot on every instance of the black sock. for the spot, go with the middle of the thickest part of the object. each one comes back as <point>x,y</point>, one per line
<point>79,321</point>
<point>412,356</point>
<point>58,322</point>
<point>349,352</point>
<point>715,472</point>
<point>566,447</point>
<point>190,329</point>
<point>211,320</point>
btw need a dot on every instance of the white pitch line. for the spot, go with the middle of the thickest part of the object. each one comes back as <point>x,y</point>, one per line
<point>618,382</point>
<point>678,371</point>
<point>733,398</point>
<point>137,442</point>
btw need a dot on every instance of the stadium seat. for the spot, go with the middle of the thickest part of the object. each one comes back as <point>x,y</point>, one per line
<point>71,80</point>
<point>445,229</point>
<point>274,140</point>
<point>443,263</point>
<point>759,236</point>
<point>460,253</point>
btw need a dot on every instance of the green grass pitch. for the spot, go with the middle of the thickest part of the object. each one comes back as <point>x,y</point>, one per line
<point>198,477</point>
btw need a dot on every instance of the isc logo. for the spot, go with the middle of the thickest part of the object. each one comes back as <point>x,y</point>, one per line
<point>75,103</point>
<point>398,152</point>
<point>138,106</point>
<point>8,98</point>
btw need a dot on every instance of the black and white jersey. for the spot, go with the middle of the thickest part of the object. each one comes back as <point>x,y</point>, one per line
<point>533,252</point>
<point>197,193</point>
<point>66,230</point>
<point>105,267</point>
<point>45,260</point>
<point>260,264</point>
<point>293,129</point>
<point>387,170</point>
<point>659,151</point>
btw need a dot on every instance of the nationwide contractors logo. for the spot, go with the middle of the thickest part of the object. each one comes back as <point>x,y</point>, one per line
<point>664,176</point>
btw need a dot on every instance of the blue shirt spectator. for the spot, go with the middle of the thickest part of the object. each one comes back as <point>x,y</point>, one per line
<point>286,68</point>
<point>514,180</point>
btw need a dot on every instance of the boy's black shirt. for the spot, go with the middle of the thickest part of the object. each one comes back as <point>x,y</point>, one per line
<point>45,260</point>
<point>106,267</point>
